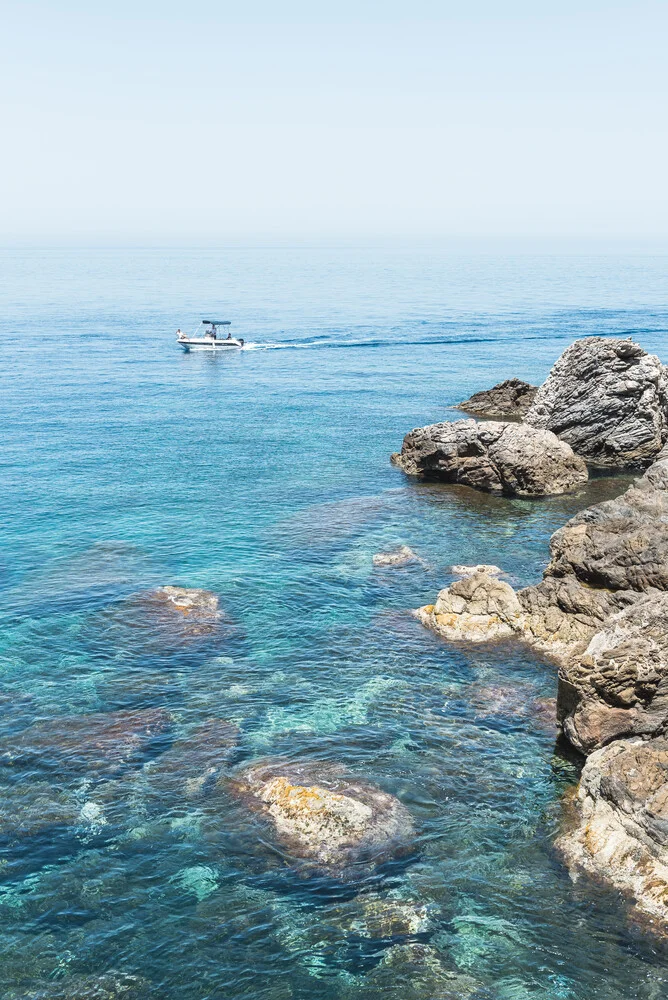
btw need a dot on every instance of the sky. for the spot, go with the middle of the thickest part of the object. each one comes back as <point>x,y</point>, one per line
<point>475,122</point>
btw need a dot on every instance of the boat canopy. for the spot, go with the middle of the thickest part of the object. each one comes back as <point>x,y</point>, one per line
<point>217,322</point>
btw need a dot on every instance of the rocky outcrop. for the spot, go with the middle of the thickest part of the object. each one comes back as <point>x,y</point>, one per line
<point>324,815</point>
<point>100,744</point>
<point>608,399</point>
<point>498,457</point>
<point>606,558</point>
<point>619,686</point>
<point>507,400</point>
<point>478,608</point>
<point>617,825</point>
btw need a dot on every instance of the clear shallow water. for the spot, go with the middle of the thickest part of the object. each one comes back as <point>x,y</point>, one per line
<point>265,478</point>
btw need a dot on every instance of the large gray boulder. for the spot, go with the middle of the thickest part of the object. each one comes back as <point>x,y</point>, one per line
<point>618,823</point>
<point>507,400</point>
<point>494,456</point>
<point>608,399</point>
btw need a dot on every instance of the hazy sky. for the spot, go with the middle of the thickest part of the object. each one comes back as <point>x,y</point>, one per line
<point>208,122</point>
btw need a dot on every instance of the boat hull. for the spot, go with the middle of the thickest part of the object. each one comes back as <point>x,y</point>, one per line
<point>201,344</point>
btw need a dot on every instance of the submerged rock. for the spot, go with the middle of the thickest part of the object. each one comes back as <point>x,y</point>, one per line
<point>403,555</point>
<point>110,986</point>
<point>510,398</point>
<point>608,399</point>
<point>476,609</point>
<point>498,457</point>
<point>619,686</point>
<point>322,814</point>
<point>618,827</point>
<point>194,762</point>
<point>101,743</point>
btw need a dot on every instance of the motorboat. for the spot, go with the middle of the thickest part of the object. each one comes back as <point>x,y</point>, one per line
<point>209,337</point>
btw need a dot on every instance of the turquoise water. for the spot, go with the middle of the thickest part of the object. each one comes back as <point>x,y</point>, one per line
<point>264,476</point>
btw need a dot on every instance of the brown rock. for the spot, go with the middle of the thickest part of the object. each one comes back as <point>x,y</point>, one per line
<point>509,399</point>
<point>103,743</point>
<point>618,823</point>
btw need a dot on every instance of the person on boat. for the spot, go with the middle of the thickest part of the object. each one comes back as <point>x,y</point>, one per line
<point>178,333</point>
<point>229,335</point>
<point>213,332</point>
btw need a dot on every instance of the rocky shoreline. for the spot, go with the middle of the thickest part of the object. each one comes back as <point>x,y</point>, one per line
<point>601,609</point>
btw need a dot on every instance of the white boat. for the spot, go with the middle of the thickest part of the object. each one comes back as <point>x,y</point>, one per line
<point>209,339</point>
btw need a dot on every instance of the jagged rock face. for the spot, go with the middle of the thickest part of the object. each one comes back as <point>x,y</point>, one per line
<point>608,399</point>
<point>603,560</point>
<point>511,398</point>
<point>324,815</point>
<point>100,743</point>
<point>619,686</point>
<point>498,457</point>
<point>478,608</point>
<point>619,823</point>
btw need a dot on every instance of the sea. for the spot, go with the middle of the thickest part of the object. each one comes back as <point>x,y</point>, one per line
<point>264,476</point>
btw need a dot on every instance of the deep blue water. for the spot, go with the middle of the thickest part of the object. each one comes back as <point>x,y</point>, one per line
<point>264,476</point>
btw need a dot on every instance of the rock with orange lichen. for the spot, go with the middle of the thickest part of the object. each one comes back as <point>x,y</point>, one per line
<point>322,814</point>
<point>478,608</point>
<point>617,822</point>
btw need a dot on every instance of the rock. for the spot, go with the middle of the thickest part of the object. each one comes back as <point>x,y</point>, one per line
<point>401,556</point>
<point>104,743</point>
<point>194,763</point>
<point>618,827</point>
<point>478,608</point>
<point>498,457</point>
<point>608,399</point>
<point>461,570</point>
<point>606,558</point>
<point>33,808</point>
<point>511,398</point>
<point>322,814</point>
<point>110,986</point>
<point>415,970</point>
<point>619,686</point>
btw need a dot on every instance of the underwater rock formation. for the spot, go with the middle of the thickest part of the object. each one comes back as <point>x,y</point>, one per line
<point>618,826</point>
<point>508,399</point>
<point>608,399</point>
<point>477,608</point>
<point>100,743</point>
<point>322,814</point>
<point>498,457</point>
<point>109,986</point>
<point>194,762</point>
<point>403,555</point>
